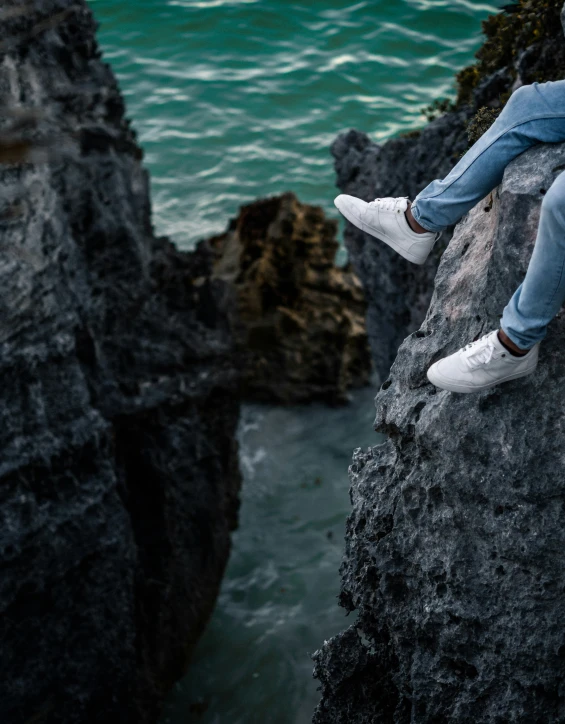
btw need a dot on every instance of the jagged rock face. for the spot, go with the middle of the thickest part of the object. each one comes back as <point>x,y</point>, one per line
<point>118,404</point>
<point>397,292</point>
<point>455,543</point>
<point>299,319</point>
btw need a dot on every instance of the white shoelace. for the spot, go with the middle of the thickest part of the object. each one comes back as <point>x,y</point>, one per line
<point>389,203</point>
<point>478,353</point>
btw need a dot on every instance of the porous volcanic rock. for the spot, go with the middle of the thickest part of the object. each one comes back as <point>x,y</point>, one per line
<point>118,404</point>
<point>299,319</point>
<point>454,553</point>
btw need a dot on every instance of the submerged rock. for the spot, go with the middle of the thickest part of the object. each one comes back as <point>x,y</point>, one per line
<point>299,319</point>
<point>455,544</point>
<point>118,404</point>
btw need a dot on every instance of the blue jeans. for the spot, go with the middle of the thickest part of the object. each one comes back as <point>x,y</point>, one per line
<point>534,114</point>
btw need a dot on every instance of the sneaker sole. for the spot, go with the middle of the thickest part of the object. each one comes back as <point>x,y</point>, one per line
<point>383,237</point>
<point>451,387</point>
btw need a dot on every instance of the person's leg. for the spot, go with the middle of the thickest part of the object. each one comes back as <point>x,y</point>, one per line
<point>534,114</point>
<point>489,361</point>
<point>540,296</point>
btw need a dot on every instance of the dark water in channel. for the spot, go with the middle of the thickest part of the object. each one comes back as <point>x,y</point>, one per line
<point>278,600</point>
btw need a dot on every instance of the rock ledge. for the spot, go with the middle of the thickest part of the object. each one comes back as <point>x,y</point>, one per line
<point>455,544</point>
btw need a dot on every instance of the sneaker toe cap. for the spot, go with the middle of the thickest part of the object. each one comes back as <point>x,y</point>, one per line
<point>433,374</point>
<point>446,372</point>
<point>349,205</point>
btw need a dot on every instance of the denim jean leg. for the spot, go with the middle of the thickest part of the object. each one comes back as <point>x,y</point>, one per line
<point>540,296</point>
<point>534,113</point>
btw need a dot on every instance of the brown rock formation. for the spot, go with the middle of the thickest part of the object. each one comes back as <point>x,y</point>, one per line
<point>299,318</point>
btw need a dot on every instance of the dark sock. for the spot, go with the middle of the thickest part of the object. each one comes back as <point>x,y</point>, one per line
<point>512,351</point>
<point>409,222</point>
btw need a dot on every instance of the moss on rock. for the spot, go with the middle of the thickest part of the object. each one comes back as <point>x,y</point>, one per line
<point>526,40</point>
<point>481,122</point>
<point>524,44</point>
<point>438,108</point>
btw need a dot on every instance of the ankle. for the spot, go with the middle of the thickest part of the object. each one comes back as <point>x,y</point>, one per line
<point>412,223</point>
<point>506,342</point>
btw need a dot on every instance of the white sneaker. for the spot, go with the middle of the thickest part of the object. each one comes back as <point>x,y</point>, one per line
<point>385,219</point>
<point>480,365</point>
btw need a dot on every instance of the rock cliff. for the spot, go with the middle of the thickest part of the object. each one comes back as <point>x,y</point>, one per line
<point>118,405</point>
<point>299,320</point>
<point>455,544</point>
<point>521,46</point>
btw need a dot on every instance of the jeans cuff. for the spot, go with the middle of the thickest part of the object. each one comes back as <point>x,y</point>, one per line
<point>426,225</point>
<point>519,341</point>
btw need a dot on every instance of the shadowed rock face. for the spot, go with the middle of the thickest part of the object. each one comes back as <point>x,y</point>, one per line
<point>455,543</point>
<point>397,292</point>
<point>299,319</point>
<point>118,404</point>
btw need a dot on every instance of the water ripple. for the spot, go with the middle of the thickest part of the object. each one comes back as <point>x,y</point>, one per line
<point>208,4</point>
<point>252,92</point>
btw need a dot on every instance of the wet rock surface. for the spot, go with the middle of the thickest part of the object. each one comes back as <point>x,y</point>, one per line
<point>118,405</point>
<point>299,319</point>
<point>454,547</point>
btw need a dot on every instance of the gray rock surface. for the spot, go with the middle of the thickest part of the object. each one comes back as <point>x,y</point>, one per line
<point>454,557</point>
<point>118,403</point>
<point>398,292</point>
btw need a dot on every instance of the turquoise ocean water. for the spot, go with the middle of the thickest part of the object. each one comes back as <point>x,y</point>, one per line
<point>233,100</point>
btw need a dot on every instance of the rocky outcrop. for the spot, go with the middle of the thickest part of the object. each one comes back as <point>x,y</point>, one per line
<point>299,319</point>
<point>521,46</point>
<point>455,543</point>
<point>118,465</point>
